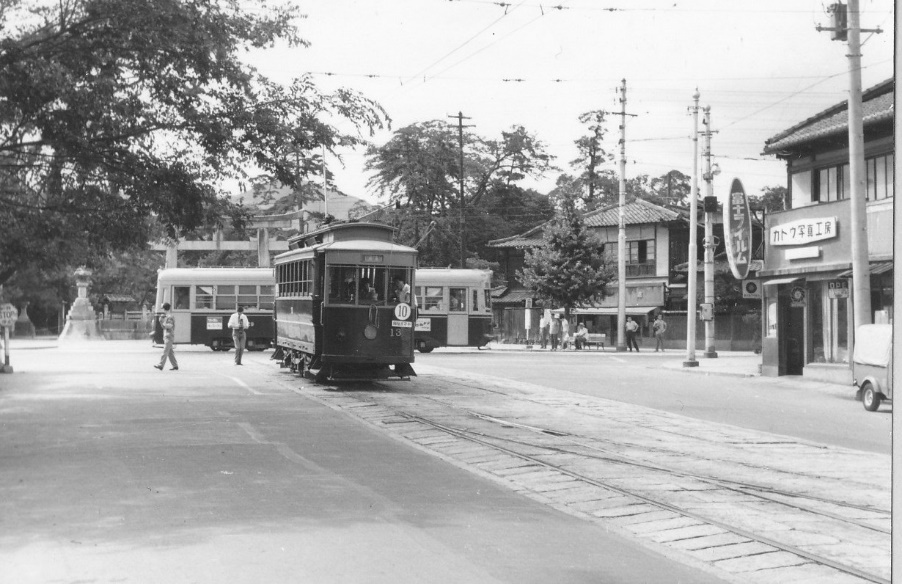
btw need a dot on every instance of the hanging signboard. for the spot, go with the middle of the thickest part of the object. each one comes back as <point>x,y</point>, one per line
<point>737,219</point>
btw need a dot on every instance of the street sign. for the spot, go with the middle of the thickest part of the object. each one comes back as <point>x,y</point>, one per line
<point>751,289</point>
<point>737,219</point>
<point>838,289</point>
<point>8,315</point>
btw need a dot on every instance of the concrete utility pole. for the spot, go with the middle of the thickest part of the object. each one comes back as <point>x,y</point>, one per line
<point>621,232</point>
<point>460,136</point>
<point>710,244</point>
<point>693,245</point>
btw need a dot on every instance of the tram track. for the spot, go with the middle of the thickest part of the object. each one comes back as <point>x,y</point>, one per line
<point>625,483</point>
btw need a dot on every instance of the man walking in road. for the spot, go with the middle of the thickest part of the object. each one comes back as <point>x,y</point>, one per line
<point>239,325</point>
<point>660,328</point>
<point>167,322</point>
<point>631,327</point>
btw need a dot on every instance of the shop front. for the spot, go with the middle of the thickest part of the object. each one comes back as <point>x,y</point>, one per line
<point>808,327</point>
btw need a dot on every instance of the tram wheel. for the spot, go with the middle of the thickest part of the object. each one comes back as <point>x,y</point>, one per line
<point>870,399</point>
<point>424,348</point>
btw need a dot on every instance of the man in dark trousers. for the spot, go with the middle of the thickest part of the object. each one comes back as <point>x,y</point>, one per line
<point>631,328</point>
<point>239,325</point>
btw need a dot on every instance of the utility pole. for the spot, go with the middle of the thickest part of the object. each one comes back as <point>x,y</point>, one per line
<point>621,232</point>
<point>693,245</point>
<point>325,192</point>
<point>861,279</point>
<point>710,243</point>
<point>460,136</point>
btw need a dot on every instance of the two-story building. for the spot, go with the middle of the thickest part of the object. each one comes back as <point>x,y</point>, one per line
<point>807,306</point>
<point>657,240</point>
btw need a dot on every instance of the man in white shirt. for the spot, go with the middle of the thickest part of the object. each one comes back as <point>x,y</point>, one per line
<point>239,325</point>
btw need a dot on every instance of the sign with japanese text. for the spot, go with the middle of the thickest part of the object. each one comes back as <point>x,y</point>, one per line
<point>838,289</point>
<point>737,219</point>
<point>803,231</point>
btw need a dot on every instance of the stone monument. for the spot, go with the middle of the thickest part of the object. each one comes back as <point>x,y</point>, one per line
<point>81,322</point>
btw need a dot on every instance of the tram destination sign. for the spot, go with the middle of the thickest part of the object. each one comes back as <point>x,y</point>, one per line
<point>738,229</point>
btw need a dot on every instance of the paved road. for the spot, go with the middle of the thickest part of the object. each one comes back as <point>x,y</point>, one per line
<point>820,412</point>
<point>115,472</point>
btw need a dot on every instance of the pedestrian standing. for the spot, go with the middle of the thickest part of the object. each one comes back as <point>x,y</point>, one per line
<point>167,323</point>
<point>544,325</point>
<point>660,329</point>
<point>239,325</point>
<point>565,333</point>
<point>554,331</point>
<point>631,327</point>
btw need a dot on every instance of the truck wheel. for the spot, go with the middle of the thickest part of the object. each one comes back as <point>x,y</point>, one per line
<point>870,399</point>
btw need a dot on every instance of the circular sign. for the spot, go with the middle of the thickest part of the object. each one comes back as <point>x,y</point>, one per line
<point>8,315</point>
<point>751,287</point>
<point>797,294</point>
<point>402,311</point>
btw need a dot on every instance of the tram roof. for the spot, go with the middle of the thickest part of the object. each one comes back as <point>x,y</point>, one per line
<point>452,276</point>
<point>222,275</point>
<point>342,231</point>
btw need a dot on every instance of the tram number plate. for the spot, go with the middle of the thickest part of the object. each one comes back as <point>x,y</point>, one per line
<point>402,323</point>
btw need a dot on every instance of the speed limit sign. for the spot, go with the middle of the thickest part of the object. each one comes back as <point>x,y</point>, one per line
<point>8,315</point>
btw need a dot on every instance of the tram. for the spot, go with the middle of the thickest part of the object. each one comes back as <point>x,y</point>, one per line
<point>344,308</point>
<point>455,308</point>
<point>203,299</point>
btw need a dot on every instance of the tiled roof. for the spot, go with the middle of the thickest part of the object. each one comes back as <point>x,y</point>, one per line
<point>636,212</point>
<point>512,296</point>
<point>877,106</point>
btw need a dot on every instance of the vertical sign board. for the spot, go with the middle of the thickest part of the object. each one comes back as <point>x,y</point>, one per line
<point>738,230</point>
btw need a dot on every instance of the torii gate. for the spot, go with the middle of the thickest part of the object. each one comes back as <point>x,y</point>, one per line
<point>261,243</point>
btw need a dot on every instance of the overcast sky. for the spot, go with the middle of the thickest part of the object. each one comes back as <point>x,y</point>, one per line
<point>759,64</point>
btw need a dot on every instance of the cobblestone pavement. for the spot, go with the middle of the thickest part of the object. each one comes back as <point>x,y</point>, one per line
<point>753,507</point>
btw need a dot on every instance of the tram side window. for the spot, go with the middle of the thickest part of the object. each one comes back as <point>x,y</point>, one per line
<point>432,298</point>
<point>475,299</point>
<point>266,298</point>
<point>247,296</point>
<point>458,299</point>
<point>488,300</point>
<point>203,297</point>
<point>225,298</point>
<point>181,296</point>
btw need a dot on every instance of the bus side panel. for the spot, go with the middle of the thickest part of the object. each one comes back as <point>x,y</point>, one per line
<point>480,331</point>
<point>437,335</point>
<point>344,339</point>
<point>296,324</point>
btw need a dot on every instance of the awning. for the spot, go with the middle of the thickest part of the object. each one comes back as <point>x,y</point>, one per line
<point>780,281</point>
<point>874,269</point>
<point>609,310</point>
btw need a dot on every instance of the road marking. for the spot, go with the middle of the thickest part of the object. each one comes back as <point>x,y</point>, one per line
<point>244,385</point>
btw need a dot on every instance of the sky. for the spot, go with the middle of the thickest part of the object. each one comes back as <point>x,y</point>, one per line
<point>760,65</point>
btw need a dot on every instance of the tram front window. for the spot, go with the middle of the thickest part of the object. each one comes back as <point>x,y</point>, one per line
<point>362,285</point>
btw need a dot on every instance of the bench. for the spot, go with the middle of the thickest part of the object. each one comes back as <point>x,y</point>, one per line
<point>595,339</point>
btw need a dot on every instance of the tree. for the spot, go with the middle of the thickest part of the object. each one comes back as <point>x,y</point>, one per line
<point>771,199</point>
<point>121,119</point>
<point>568,269</point>
<point>592,155</point>
<point>418,171</point>
<point>672,188</point>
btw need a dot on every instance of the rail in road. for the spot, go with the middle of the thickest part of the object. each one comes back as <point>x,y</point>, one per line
<point>752,506</point>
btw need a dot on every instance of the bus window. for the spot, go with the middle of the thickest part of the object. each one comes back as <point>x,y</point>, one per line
<point>458,300</point>
<point>203,297</point>
<point>181,296</point>
<point>225,298</point>
<point>247,296</point>
<point>432,298</point>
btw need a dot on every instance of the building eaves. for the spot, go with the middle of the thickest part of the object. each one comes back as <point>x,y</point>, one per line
<point>877,106</point>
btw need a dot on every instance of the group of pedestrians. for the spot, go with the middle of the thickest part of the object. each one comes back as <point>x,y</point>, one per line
<point>238,322</point>
<point>555,331</point>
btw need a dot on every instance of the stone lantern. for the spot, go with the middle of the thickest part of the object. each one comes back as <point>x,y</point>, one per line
<point>81,323</point>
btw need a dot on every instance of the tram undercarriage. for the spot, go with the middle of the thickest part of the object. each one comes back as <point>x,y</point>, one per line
<point>312,367</point>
